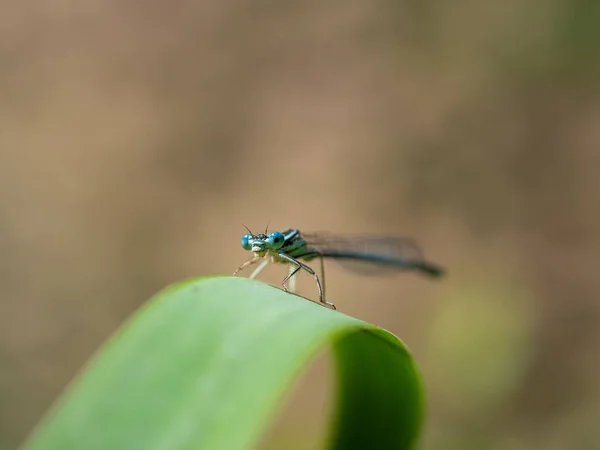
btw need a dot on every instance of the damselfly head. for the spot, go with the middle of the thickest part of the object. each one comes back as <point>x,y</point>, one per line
<point>259,244</point>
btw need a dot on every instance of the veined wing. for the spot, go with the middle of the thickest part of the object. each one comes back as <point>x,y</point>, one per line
<point>371,254</point>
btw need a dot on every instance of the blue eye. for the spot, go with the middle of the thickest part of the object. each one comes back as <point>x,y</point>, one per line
<point>246,245</point>
<point>276,239</point>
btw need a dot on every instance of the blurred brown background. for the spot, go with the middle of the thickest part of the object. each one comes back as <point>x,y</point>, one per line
<point>136,136</point>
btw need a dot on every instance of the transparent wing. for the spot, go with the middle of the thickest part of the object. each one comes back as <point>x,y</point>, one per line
<point>368,255</point>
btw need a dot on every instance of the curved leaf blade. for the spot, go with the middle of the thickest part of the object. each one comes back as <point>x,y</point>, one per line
<point>206,363</point>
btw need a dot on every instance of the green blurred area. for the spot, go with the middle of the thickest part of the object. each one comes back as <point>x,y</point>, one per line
<point>136,136</point>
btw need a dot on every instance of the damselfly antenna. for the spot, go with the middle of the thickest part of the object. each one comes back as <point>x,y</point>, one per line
<point>267,227</point>
<point>246,228</point>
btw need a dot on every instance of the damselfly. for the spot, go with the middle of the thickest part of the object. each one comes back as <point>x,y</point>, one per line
<point>368,254</point>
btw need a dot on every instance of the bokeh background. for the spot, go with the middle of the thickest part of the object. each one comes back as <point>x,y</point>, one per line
<point>135,137</point>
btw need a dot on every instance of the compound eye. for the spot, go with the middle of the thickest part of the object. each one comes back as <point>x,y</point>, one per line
<point>276,239</point>
<point>246,245</point>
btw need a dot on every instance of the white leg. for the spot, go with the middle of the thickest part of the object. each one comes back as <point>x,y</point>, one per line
<point>259,269</point>
<point>246,264</point>
<point>292,281</point>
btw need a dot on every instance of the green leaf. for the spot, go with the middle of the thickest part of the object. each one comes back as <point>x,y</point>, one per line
<point>206,363</point>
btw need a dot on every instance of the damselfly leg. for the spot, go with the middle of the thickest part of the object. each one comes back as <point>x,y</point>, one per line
<point>299,266</point>
<point>251,261</point>
<point>259,269</point>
